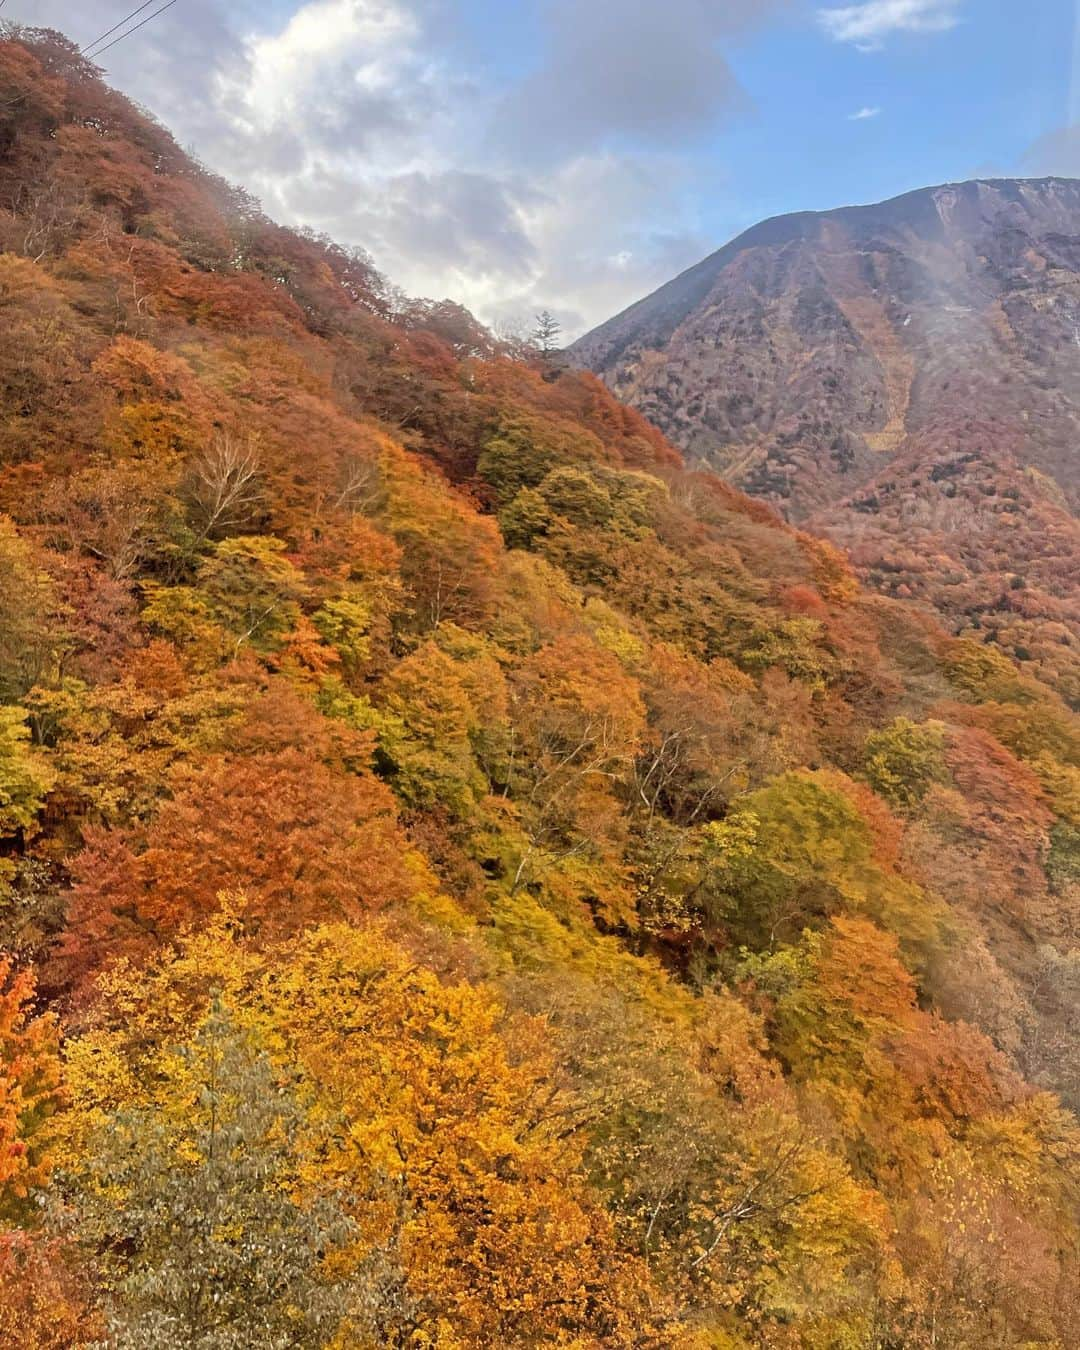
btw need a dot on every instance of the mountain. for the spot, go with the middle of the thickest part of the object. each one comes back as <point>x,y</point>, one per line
<point>467,878</point>
<point>902,377</point>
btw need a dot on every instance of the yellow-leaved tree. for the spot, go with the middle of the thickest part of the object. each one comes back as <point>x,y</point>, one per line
<point>419,1126</point>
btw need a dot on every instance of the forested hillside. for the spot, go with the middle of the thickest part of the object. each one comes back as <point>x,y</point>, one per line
<point>903,378</point>
<point>466,880</point>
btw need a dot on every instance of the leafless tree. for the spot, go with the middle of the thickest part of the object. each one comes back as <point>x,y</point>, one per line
<point>359,486</point>
<point>48,215</point>
<point>564,761</point>
<point>225,485</point>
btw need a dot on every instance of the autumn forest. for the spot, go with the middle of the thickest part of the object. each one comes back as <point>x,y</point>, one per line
<point>466,879</point>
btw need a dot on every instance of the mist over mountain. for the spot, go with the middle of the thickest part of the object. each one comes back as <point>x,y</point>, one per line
<point>904,377</point>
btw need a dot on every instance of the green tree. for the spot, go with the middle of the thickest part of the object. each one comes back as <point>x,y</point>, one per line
<point>524,518</point>
<point>546,333</point>
<point>578,497</point>
<point>24,776</point>
<point>30,640</point>
<point>799,851</point>
<point>189,1206</point>
<point>253,589</point>
<point>904,760</point>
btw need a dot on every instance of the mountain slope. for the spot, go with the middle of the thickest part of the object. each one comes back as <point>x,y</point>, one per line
<point>904,377</point>
<point>466,879</point>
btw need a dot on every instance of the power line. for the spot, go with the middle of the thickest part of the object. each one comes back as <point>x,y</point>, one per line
<point>145,5</point>
<point>102,50</point>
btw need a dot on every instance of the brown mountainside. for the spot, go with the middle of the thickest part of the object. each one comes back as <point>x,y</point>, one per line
<point>904,377</point>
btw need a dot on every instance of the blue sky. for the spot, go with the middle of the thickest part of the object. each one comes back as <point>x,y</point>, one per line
<point>574,154</point>
<point>969,101</point>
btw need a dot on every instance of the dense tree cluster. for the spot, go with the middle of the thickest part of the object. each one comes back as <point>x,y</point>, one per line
<point>466,880</point>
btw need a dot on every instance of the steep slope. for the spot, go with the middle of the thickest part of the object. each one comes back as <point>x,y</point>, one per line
<point>904,377</point>
<point>467,880</point>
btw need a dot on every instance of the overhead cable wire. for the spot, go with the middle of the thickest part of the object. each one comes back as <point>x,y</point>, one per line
<point>102,50</point>
<point>109,32</point>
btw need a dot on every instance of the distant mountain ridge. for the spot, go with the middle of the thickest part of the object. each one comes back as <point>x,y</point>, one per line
<point>903,376</point>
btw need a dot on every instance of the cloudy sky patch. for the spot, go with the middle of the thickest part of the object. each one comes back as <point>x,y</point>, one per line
<point>869,24</point>
<point>555,154</point>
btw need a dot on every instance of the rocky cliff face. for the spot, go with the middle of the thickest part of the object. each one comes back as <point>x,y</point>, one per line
<point>904,377</point>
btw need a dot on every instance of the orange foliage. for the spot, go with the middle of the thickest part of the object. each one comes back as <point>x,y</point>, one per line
<point>300,841</point>
<point>29,1089</point>
<point>43,1301</point>
<point>654,1026</point>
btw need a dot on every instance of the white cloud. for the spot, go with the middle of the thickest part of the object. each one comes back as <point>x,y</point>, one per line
<point>569,188</point>
<point>870,23</point>
<point>607,229</point>
<point>364,33</point>
<point>864,114</point>
<point>611,70</point>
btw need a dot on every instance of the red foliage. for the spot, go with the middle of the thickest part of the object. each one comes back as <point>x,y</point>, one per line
<point>300,841</point>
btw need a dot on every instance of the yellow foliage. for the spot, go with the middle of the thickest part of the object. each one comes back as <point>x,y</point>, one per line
<point>415,1109</point>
